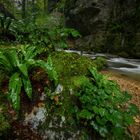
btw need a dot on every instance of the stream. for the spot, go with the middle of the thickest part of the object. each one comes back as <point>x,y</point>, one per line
<point>125,66</point>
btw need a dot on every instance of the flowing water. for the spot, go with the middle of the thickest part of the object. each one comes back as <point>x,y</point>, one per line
<point>128,67</point>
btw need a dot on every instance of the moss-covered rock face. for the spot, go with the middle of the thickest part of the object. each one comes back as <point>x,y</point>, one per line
<point>107,26</point>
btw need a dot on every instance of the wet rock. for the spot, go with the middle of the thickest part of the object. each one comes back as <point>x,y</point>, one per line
<point>87,16</point>
<point>106,25</point>
<point>36,117</point>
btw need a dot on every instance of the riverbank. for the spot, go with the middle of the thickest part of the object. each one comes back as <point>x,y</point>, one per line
<point>133,86</point>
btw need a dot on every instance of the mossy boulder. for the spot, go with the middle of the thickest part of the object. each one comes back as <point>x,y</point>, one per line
<point>73,71</point>
<point>69,65</point>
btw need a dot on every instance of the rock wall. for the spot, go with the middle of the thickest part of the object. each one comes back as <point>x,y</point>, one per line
<point>110,26</point>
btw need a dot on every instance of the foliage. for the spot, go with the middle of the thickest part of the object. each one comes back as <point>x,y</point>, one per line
<point>69,65</point>
<point>100,62</point>
<point>4,125</point>
<point>80,95</point>
<point>28,31</point>
<point>71,68</point>
<point>51,32</point>
<point>5,23</point>
<point>4,118</point>
<point>52,39</point>
<point>102,107</point>
<point>61,5</point>
<point>15,63</point>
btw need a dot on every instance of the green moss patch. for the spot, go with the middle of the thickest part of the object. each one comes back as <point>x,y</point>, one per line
<point>69,65</point>
<point>4,121</point>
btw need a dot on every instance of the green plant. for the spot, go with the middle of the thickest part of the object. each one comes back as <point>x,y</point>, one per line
<point>52,39</point>
<point>52,36</point>
<point>100,63</point>
<point>5,24</point>
<point>16,63</point>
<point>5,126</point>
<point>22,29</point>
<point>103,108</point>
<point>57,37</point>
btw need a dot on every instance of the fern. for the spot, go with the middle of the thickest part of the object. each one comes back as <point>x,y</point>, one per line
<point>27,86</point>
<point>16,63</point>
<point>14,90</point>
<point>49,68</point>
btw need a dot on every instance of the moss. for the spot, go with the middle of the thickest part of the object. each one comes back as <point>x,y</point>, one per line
<point>72,70</point>
<point>71,64</point>
<point>78,81</point>
<point>4,121</point>
<point>4,125</point>
<point>100,63</point>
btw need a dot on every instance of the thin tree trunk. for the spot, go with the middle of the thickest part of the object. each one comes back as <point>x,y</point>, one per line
<point>45,6</point>
<point>33,6</point>
<point>33,9</point>
<point>23,9</point>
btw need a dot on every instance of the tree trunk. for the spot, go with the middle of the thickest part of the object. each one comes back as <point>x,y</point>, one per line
<point>33,9</point>
<point>33,6</point>
<point>45,6</point>
<point>23,9</point>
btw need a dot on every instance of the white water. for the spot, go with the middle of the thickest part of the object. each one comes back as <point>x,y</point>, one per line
<point>129,67</point>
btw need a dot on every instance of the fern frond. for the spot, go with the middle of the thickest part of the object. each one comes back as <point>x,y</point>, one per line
<point>4,63</point>
<point>30,52</point>
<point>12,57</point>
<point>27,86</point>
<point>48,67</point>
<point>14,90</point>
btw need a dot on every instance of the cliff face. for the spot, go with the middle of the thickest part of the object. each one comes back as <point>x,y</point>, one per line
<point>87,16</point>
<point>106,25</point>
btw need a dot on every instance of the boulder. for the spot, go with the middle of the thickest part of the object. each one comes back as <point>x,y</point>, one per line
<point>87,16</point>
<point>105,25</point>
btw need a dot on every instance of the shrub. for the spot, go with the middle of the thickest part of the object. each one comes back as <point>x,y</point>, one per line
<point>5,31</point>
<point>102,107</point>
<point>54,36</point>
<point>100,63</point>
